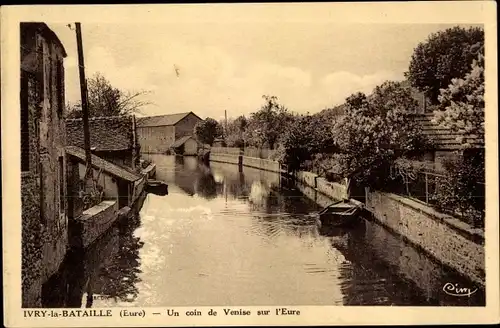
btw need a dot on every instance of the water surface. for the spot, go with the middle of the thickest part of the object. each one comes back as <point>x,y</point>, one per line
<point>223,237</point>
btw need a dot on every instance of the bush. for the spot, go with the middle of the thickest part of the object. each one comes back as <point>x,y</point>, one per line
<point>375,131</point>
<point>462,190</point>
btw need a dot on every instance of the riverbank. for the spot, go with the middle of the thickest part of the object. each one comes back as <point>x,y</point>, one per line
<point>447,240</point>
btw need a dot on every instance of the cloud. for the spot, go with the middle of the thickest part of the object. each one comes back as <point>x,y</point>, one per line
<point>211,80</point>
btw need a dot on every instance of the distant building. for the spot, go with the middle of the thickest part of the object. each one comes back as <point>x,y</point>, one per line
<point>219,142</point>
<point>444,142</point>
<point>156,134</point>
<point>187,146</point>
<point>112,138</point>
<point>43,160</point>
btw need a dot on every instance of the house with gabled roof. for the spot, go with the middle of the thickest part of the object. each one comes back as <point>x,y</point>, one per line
<point>157,134</point>
<point>444,142</point>
<point>112,138</point>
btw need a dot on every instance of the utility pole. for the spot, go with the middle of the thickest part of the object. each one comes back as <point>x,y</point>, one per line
<point>83,91</point>
<point>225,129</point>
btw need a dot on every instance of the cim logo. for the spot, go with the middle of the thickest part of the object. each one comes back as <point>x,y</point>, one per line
<point>456,290</point>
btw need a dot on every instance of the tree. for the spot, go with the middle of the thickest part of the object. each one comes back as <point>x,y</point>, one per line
<point>267,124</point>
<point>296,145</point>
<point>444,56</point>
<point>106,100</point>
<point>208,130</point>
<point>374,132</point>
<point>235,133</point>
<point>462,104</point>
<point>462,110</point>
<point>304,137</point>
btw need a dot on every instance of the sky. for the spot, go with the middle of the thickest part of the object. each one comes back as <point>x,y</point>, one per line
<point>230,65</point>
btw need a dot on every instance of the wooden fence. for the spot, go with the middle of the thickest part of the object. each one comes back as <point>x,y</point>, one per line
<point>226,150</point>
<point>259,153</point>
<point>249,152</point>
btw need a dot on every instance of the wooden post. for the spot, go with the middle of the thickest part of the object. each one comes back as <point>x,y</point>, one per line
<point>83,92</point>
<point>426,188</point>
<point>225,123</point>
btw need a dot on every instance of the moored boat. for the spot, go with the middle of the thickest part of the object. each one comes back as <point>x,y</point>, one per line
<point>339,214</point>
<point>157,187</point>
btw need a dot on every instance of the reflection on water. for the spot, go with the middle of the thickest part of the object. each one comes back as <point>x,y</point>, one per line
<point>224,237</point>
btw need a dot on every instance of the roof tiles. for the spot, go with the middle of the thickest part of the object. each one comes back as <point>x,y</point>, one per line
<point>161,120</point>
<point>110,133</point>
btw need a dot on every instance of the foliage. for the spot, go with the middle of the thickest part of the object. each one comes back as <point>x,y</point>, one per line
<point>106,100</point>
<point>208,130</point>
<point>235,132</point>
<point>462,189</point>
<point>332,113</point>
<point>295,147</point>
<point>374,132</point>
<point>463,104</point>
<point>445,55</point>
<point>266,125</point>
<point>304,137</point>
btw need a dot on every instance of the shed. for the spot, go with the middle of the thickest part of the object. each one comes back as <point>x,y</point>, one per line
<point>118,183</point>
<point>187,145</point>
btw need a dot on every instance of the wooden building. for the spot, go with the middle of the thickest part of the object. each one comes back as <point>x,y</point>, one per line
<point>187,146</point>
<point>156,134</point>
<point>118,188</point>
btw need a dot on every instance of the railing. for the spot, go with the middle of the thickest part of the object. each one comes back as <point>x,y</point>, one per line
<point>425,187</point>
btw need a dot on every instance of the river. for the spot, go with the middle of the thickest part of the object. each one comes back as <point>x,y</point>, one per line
<point>224,237</point>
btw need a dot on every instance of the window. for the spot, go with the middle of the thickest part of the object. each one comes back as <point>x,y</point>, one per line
<point>25,135</point>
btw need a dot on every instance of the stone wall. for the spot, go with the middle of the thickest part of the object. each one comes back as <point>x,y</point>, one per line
<point>95,221</point>
<point>31,267</point>
<point>443,237</point>
<point>333,190</point>
<point>224,158</point>
<point>44,201</point>
<point>262,164</point>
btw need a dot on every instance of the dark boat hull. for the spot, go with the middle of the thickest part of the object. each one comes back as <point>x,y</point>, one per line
<point>339,214</point>
<point>157,187</point>
<point>337,220</point>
